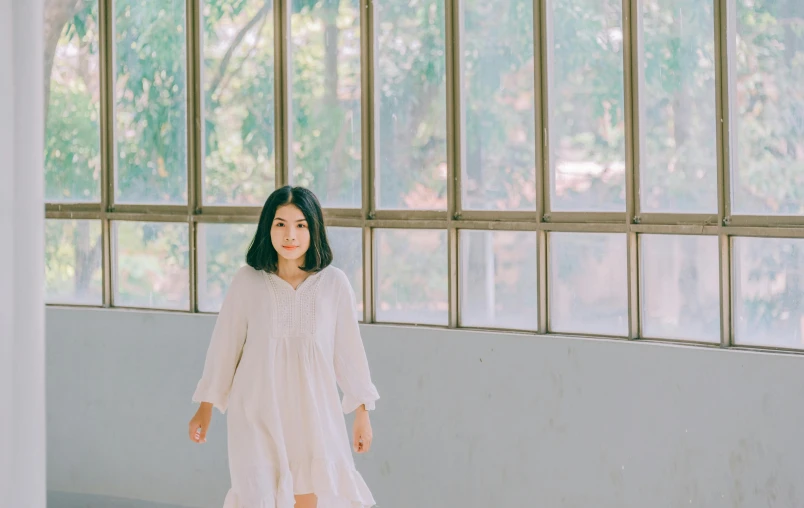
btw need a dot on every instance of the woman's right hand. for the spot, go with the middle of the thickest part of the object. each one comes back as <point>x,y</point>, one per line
<point>200,423</point>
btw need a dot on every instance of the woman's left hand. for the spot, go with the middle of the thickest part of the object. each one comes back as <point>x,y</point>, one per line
<point>361,431</point>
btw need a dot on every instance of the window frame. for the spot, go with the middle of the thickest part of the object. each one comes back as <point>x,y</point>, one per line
<point>633,222</point>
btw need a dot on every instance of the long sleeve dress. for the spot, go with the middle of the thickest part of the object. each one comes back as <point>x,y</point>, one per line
<point>275,361</point>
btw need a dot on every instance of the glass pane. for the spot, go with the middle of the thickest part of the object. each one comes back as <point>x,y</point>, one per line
<point>238,80</point>
<point>588,283</point>
<point>72,98</point>
<point>151,265</point>
<point>325,93</point>
<point>412,285</point>
<point>587,134</point>
<point>769,292</point>
<point>150,102</point>
<point>500,149</point>
<point>679,154</point>
<point>411,92</point>
<point>73,260</point>
<point>221,252</point>
<point>347,248</point>
<point>769,104</point>
<point>680,287</point>
<point>498,279</point>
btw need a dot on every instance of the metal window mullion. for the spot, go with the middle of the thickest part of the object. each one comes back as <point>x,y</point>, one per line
<point>481,225</point>
<point>544,283</point>
<point>452,271</point>
<point>634,302</point>
<point>106,259</point>
<point>148,217</point>
<point>541,281</point>
<point>106,85</point>
<point>764,232</point>
<point>192,236</point>
<point>725,245</point>
<point>539,107</point>
<point>367,109</point>
<point>632,75</point>
<point>456,141</point>
<point>194,89</point>
<point>194,140</point>
<point>762,220</point>
<point>545,36</point>
<point>725,24</point>
<point>86,208</point>
<point>586,217</point>
<point>442,215</point>
<point>543,69</point>
<point>505,216</point>
<point>699,219</point>
<point>369,135</point>
<point>369,276</point>
<point>540,141</point>
<point>674,229</point>
<point>455,146</point>
<point>282,126</point>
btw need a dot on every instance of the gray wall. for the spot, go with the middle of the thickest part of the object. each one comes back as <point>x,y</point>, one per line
<point>466,419</point>
<point>22,260</point>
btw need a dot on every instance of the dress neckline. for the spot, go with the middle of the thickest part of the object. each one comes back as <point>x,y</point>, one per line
<point>301,284</point>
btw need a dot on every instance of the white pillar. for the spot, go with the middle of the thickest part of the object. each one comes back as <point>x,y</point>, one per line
<point>22,352</point>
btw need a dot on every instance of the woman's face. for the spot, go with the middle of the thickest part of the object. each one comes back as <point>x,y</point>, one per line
<point>290,234</point>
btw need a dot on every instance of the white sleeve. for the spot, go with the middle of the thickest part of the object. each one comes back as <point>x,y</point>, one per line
<point>225,347</point>
<point>351,365</point>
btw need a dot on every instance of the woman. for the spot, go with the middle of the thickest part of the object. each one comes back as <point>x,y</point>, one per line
<point>286,337</point>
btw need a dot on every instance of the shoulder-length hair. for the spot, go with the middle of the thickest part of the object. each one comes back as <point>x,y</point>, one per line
<point>261,253</point>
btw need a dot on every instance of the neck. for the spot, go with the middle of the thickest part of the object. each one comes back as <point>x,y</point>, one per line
<point>289,269</point>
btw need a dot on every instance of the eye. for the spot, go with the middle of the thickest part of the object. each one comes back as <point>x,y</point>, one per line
<point>279,224</point>
<point>302,225</point>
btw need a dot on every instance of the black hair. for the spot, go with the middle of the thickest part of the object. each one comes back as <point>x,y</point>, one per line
<point>261,253</point>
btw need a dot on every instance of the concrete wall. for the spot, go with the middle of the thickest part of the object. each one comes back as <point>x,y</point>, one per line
<point>466,419</point>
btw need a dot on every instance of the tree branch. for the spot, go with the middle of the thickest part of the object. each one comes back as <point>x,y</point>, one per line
<point>235,43</point>
<point>223,84</point>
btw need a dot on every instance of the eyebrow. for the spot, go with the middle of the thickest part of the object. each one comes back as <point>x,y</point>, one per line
<point>283,220</point>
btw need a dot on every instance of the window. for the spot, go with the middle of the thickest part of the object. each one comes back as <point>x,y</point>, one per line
<point>150,99</point>
<point>151,265</point>
<point>769,108</point>
<point>678,156</point>
<point>680,287</point>
<point>768,289</point>
<point>411,100</point>
<point>325,75</point>
<point>347,253</point>
<point>586,105</point>
<point>588,283</point>
<point>238,80</point>
<point>72,98</point>
<point>498,279</point>
<point>412,280</point>
<point>221,252</point>
<point>73,253</point>
<point>554,168</point>
<point>499,169</point>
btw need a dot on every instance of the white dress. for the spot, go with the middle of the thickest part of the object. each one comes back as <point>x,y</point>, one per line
<point>274,359</point>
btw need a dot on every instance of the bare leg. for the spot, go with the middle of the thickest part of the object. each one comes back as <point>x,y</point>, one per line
<point>306,501</point>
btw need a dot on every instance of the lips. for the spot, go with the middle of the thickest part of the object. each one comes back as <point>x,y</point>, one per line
<point>289,247</point>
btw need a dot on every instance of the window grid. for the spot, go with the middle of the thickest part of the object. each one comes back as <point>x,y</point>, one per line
<point>543,221</point>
